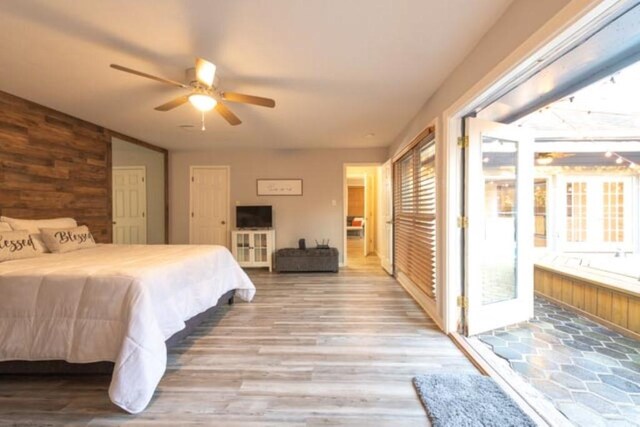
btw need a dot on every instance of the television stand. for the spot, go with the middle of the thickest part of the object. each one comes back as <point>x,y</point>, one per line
<point>253,247</point>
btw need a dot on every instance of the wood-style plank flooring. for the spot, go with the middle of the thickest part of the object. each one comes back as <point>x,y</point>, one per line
<point>316,349</point>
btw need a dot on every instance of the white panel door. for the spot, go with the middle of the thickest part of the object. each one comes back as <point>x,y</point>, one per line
<point>499,239</point>
<point>129,205</point>
<point>209,194</point>
<point>385,239</point>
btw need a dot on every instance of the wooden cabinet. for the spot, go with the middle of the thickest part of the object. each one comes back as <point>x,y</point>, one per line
<point>253,248</point>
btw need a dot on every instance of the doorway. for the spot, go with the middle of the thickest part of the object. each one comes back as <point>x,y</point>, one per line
<point>129,205</point>
<point>209,205</point>
<point>361,220</point>
<point>130,154</point>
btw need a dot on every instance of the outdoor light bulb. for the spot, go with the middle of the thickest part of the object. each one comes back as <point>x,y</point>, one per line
<point>202,102</point>
<point>608,154</point>
<point>619,160</point>
<point>633,165</point>
<point>544,160</point>
<point>485,160</point>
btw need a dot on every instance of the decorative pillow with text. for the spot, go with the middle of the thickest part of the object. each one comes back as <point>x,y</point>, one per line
<point>67,239</point>
<point>17,245</point>
<point>33,226</point>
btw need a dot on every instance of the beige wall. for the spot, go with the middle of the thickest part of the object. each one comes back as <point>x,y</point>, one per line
<point>127,154</point>
<point>311,216</point>
<point>518,23</point>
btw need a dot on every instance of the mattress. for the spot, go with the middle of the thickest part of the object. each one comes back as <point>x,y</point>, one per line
<point>115,303</point>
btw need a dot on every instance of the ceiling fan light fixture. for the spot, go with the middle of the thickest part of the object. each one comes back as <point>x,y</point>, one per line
<point>202,102</point>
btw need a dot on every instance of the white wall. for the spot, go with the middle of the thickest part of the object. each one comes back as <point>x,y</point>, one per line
<point>518,23</point>
<point>311,216</point>
<point>127,154</point>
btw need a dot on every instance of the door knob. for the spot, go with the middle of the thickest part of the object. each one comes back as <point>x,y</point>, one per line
<point>223,222</point>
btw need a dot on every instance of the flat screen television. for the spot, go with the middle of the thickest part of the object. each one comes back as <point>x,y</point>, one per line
<point>253,217</point>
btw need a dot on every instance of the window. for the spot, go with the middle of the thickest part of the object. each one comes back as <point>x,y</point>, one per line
<point>415,215</point>
<point>597,213</point>
<point>613,211</point>
<point>576,211</point>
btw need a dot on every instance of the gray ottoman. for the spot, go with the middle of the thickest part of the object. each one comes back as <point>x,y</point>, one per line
<point>300,260</point>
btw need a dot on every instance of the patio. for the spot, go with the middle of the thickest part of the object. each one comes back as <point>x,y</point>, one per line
<point>589,372</point>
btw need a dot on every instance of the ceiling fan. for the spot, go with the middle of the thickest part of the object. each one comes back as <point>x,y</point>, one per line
<point>204,92</point>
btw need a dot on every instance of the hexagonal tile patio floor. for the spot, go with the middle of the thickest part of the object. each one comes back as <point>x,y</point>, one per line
<point>589,372</point>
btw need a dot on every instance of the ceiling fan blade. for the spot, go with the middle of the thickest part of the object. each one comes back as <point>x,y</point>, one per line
<point>248,99</point>
<point>173,103</point>
<point>205,71</point>
<point>149,76</point>
<point>227,114</point>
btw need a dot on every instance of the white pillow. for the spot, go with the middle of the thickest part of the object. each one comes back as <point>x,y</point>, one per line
<point>67,239</point>
<point>33,226</point>
<point>4,226</point>
<point>16,245</point>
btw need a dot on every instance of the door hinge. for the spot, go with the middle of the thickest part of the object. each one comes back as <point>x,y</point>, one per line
<point>142,179</point>
<point>192,179</point>
<point>191,214</point>
<point>463,222</point>
<point>463,302</point>
<point>463,141</point>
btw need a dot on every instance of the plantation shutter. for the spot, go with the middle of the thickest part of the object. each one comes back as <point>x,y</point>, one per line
<point>415,215</point>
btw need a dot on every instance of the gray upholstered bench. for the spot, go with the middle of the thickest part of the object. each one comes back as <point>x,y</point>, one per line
<point>313,259</point>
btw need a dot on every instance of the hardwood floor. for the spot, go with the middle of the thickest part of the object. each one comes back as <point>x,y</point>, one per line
<point>316,349</point>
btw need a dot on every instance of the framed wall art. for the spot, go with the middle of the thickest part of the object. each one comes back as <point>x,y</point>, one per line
<point>279,187</point>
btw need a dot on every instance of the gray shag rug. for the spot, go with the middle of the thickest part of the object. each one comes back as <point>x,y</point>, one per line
<point>453,400</point>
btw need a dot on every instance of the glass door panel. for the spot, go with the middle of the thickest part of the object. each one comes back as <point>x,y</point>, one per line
<point>260,247</point>
<point>499,267</point>
<point>243,248</point>
<point>499,200</point>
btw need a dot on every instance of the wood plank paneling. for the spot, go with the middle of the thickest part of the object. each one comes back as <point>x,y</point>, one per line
<point>618,309</point>
<point>604,304</point>
<point>591,299</point>
<point>52,164</point>
<point>633,317</point>
<point>577,299</point>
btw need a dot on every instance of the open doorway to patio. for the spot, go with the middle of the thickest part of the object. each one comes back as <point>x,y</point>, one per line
<point>553,236</point>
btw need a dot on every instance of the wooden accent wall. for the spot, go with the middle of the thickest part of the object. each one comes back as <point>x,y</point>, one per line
<point>615,308</point>
<point>52,165</point>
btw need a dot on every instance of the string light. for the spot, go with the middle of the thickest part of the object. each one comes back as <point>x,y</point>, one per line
<point>620,159</point>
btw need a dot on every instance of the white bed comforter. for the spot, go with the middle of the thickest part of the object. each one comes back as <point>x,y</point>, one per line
<point>112,303</point>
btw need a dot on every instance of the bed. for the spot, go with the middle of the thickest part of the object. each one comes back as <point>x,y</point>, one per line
<point>113,303</point>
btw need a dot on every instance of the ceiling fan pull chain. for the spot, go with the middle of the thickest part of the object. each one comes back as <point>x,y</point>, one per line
<point>203,121</point>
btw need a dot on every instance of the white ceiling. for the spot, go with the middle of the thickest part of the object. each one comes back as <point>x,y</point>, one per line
<point>338,69</point>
